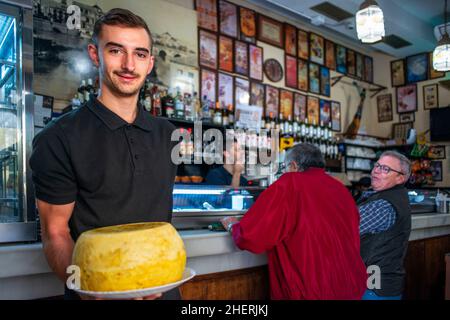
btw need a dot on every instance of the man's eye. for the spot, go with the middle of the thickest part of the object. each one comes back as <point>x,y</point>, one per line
<point>141,55</point>
<point>114,51</point>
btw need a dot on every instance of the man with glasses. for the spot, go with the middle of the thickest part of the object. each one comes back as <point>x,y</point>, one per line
<point>385,224</point>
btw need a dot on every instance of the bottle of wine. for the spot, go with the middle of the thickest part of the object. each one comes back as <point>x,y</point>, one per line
<point>156,102</point>
<point>168,105</point>
<point>230,115</point>
<point>179,105</point>
<point>189,112</point>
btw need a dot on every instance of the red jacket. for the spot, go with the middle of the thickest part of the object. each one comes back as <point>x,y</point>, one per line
<point>308,224</point>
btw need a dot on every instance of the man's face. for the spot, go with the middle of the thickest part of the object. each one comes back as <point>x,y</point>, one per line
<point>382,180</point>
<point>123,57</point>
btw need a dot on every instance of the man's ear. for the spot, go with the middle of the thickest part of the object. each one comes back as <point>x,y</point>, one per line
<point>93,54</point>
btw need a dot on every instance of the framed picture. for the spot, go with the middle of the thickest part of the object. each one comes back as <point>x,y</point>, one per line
<point>303,44</point>
<point>341,59</point>
<point>300,107</point>
<point>257,94</point>
<point>207,49</point>
<point>330,55</point>
<point>302,79</point>
<point>336,116</point>
<point>407,98</point>
<point>273,70</point>
<point>208,82</point>
<point>225,90</point>
<point>290,65</point>
<point>272,101</point>
<point>270,31</point>
<point>43,109</point>
<point>433,74</point>
<point>228,18</point>
<point>351,62</point>
<point>325,86</point>
<point>317,48</point>
<point>398,74</point>
<point>417,68</point>
<point>226,61</point>
<point>325,112</point>
<point>359,66</point>
<point>406,117</point>
<point>368,69</point>
<point>436,168</point>
<point>314,78</point>
<point>313,110</point>
<point>436,152</point>
<point>247,23</point>
<point>256,62</point>
<point>430,96</point>
<point>207,14</point>
<point>384,106</point>
<point>400,130</point>
<point>290,39</point>
<point>241,91</point>
<point>286,103</point>
<point>241,63</point>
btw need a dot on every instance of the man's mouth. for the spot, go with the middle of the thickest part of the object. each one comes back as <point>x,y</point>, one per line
<point>127,77</point>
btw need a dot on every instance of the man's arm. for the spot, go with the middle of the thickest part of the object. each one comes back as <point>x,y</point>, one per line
<point>376,216</point>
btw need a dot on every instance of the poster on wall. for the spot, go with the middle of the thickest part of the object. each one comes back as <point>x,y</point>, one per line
<point>270,31</point>
<point>317,48</point>
<point>207,42</point>
<point>368,69</point>
<point>272,101</point>
<point>290,39</point>
<point>430,96</point>
<point>303,44</point>
<point>341,59</point>
<point>407,98</point>
<point>351,62</point>
<point>257,94</point>
<point>226,54</point>
<point>359,66</point>
<point>398,73</point>
<point>228,18</point>
<point>325,112</point>
<point>314,78</point>
<point>207,14</point>
<point>330,55</point>
<point>384,106</point>
<point>303,75</point>
<point>256,62</point>
<point>242,91</point>
<point>247,23</point>
<point>286,103</point>
<point>291,72</point>
<point>325,87</point>
<point>300,107</point>
<point>225,89</point>
<point>241,58</point>
<point>417,68</point>
<point>335,116</point>
<point>208,84</point>
<point>313,110</point>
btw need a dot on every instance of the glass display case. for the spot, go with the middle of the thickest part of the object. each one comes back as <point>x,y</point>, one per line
<point>198,206</point>
<point>423,200</point>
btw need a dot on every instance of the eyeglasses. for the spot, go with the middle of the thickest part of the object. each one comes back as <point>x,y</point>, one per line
<point>385,169</point>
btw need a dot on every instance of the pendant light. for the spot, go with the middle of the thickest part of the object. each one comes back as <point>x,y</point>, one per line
<point>441,55</point>
<point>370,22</point>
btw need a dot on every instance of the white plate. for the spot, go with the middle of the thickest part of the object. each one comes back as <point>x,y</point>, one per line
<point>188,274</point>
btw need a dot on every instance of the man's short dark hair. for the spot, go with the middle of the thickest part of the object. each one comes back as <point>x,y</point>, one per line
<point>306,156</point>
<point>120,17</point>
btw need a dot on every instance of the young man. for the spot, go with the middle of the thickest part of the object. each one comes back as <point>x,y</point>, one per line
<point>108,162</point>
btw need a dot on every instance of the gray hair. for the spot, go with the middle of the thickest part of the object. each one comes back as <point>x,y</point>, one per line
<point>305,155</point>
<point>405,164</point>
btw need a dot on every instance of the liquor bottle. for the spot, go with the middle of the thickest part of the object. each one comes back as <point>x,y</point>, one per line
<point>217,119</point>
<point>267,123</point>
<point>272,121</point>
<point>81,90</point>
<point>89,91</point>
<point>225,116</point>
<point>290,126</point>
<point>206,116</point>
<point>230,115</point>
<point>280,124</point>
<point>168,105</point>
<point>197,107</point>
<point>179,105</point>
<point>295,129</point>
<point>156,102</point>
<point>189,112</point>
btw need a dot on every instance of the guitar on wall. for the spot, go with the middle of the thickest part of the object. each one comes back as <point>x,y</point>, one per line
<point>353,128</point>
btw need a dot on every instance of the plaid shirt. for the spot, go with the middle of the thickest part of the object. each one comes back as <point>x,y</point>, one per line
<point>376,216</point>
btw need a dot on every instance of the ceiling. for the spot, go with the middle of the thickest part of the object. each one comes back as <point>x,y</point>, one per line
<point>411,20</point>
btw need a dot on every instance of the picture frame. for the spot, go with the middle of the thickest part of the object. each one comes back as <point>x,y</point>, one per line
<point>43,109</point>
<point>406,117</point>
<point>400,130</point>
<point>256,57</point>
<point>241,91</point>
<point>437,152</point>
<point>406,98</point>
<point>341,59</point>
<point>302,75</point>
<point>272,101</point>
<point>247,25</point>
<point>430,96</point>
<point>335,116</point>
<point>330,54</point>
<point>436,168</point>
<point>359,66</point>
<point>314,78</point>
<point>300,104</point>
<point>290,65</point>
<point>241,58</point>
<point>257,94</point>
<point>302,44</point>
<point>368,69</point>
<point>290,39</point>
<point>417,68</point>
<point>317,49</point>
<point>208,84</point>
<point>384,107</point>
<point>313,110</point>
<point>228,18</point>
<point>325,112</point>
<point>207,14</point>
<point>433,74</point>
<point>225,90</point>
<point>286,103</point>
<point>398,73</point>
<point>226,54</point>
<point>207,49</point>
<point>351,62</point>
<point>273,70</point>
<point>325,84</point>
<point>270,31</point>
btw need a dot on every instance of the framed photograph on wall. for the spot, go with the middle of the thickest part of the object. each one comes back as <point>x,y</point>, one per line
<point>208,84</point>
<point>272,101</point>
<point>330,55</point>
<point>207,49</point>
<point>417,68</point>
<point>436,169</point>
<point>302,44</point>
<point>325,112</point>
<point>341,59</point>
<point>257,94</point>
<point>290,39</point>
<point>270,31</point>
<point>290,66</point>
<point>256,57</point>
<point>368,69</point>
<point>314,78</point>
<point>436,152</point>
<point>225,90</point>
<point>384,106</point>
<point>241,91</point>
<point>228,18</point>
<point>351,62</point>
<point>241,63</point>
<point>247,23</point>
<point>401,130</point>
<point>398,74</point>
<point>336,116</point>
<point>359,66</point>
<point>317,48</point>
<point>430,96</point>
<point>433,74</point>
<point>300,107</point>
<point>207,14</point>
<point>407,98</point>
<point>302,78</point>
<point>226,54</point>
<point>406,117</point>
<point>313,110</point>
<point>286,103</point>
<point>325,86</point>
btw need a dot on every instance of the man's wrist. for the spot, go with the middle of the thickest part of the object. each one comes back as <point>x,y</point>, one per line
<point>230,225</point>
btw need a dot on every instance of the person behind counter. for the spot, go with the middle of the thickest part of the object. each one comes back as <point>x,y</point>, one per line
<point>308,224</point>
<point>386,224</point>
<point>108,162</point>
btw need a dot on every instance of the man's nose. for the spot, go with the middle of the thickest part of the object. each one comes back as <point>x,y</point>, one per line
<point>128,62</point>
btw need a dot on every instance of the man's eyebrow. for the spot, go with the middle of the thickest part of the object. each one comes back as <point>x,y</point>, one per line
<point>115,44</point>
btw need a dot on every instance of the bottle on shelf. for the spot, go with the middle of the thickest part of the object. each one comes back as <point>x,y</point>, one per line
<point>168,105</point>
<point>206,116</point>
<point>189,112</point>
<point>197,106</point>
<point>156,102</point>
<point>217,119</point>
<point>81,90</point>
<point>230,115</point>
<point>225,116</point>
<point>179,105</point>
<point>89,91</point>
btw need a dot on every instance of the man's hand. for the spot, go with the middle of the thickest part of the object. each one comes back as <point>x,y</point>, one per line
<point>228,221</point>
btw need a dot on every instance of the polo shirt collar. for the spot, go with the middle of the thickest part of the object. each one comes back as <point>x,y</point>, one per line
<point>114,122</point>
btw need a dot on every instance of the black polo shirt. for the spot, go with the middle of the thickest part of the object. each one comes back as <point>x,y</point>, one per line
<point>114,171</point>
